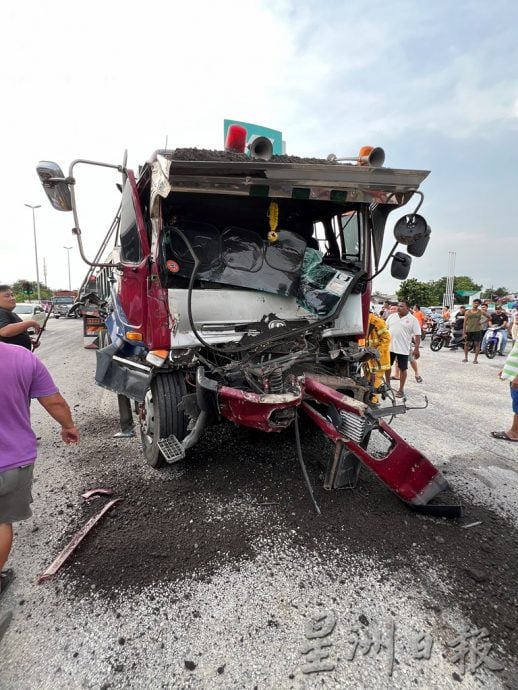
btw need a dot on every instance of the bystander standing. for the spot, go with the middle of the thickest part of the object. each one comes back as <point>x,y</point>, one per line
<point>385,310</point>
<point>514,328</point>
<point>510,373</point>
<point>12,329</point>
<point>472,330</point>
<point>420,316</point>
<point>23,377</point>
<point>485,321</point>
<point>403,326</point>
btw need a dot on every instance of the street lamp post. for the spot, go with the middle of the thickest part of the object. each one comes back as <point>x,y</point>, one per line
<point>68,258</point>
<point>35,247</point>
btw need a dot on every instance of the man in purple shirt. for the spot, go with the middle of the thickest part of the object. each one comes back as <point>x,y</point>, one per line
<point>23,377</point>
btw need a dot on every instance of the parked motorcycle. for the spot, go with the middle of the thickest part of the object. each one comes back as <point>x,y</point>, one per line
<point>445,336</point>
<point>441,337</point>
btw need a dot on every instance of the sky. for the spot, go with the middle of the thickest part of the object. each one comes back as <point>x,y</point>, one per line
<point>434,84</point>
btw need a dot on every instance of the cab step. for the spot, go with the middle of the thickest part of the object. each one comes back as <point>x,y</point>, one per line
<point>172,449</point>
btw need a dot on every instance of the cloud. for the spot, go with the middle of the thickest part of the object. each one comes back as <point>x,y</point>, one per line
<point>400,68</point>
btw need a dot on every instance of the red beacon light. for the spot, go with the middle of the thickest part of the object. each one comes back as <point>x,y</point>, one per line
<point>236,139</point>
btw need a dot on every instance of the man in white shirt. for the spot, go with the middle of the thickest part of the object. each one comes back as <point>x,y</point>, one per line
<point>403,327</point>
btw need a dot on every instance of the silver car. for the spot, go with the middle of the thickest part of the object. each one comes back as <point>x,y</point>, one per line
<point>30,312</point>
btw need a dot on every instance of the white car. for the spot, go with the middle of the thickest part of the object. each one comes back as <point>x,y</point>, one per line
<point>30,312</point>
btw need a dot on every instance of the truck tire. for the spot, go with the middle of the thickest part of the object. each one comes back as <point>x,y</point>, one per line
<point>160,416</point>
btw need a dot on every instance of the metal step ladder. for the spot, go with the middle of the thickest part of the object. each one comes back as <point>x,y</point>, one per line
<point>172,449</point>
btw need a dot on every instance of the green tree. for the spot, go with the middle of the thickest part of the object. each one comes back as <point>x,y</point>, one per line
<point>438,288</point>
<point>491,293</point>
<point>415,292</point>
<point>20,293</point>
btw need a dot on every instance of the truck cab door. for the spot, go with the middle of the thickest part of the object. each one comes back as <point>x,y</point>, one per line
<point>134,253</point>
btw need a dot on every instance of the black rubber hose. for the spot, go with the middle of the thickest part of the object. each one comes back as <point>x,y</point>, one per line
<point>302,464</point>
<point>298,331</point>
<point>189,294</point>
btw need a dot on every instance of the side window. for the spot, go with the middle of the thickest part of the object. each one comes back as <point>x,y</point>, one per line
<point>351,234</point>
<point>129,238</point>
<point>319,232</point>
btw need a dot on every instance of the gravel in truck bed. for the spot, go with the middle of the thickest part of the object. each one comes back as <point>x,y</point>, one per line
<point>194,154</point>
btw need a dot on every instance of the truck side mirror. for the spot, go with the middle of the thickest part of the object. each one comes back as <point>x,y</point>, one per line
<point>410,229</point>
<point>418,248</point>
<point>55,185</point>
<point>400,267</point>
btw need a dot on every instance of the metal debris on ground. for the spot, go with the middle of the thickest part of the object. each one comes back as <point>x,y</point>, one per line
<point>74,542</point>
<point>97,492</point>
<point>472,524</point>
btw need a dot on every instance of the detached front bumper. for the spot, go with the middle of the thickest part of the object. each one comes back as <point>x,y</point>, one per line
<point>266,412</point>
<point>346,422</point>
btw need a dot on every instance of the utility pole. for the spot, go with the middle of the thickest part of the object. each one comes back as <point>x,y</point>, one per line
<point>449,297</point>
<point>45,272</point>
<point>35,247</point>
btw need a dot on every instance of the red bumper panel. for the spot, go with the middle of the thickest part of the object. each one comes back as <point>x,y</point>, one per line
<point>404,470</point>
<point>263,412</point>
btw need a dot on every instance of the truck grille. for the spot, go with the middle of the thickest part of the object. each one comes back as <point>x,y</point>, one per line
<point>352,426</point>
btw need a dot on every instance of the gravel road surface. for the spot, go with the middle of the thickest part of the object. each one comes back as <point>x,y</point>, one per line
<point>217,573</point>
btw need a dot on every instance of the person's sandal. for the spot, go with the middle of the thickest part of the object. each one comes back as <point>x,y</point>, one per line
<point>6,577</point>
<point>419,379</point>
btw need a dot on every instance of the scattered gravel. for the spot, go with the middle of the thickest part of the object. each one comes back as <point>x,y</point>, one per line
<point>210,572</point>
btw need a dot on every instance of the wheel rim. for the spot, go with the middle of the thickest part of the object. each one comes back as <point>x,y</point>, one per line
<point>147,419</point>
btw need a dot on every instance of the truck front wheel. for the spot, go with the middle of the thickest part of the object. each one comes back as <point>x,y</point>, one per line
<point>160,416</point>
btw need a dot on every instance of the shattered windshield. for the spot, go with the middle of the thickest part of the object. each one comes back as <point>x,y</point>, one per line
<point>232,239</point>
<point>237,256</point>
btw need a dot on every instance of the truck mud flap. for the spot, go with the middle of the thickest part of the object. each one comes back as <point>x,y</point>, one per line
<point>403,469</point>
<point>121,376</point>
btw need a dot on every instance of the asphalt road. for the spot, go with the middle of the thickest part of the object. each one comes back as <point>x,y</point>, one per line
<point>260,622</point>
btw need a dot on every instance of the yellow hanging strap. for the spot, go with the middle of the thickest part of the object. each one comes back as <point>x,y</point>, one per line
<point>273,217</point>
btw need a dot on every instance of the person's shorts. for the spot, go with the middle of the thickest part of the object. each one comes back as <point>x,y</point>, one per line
<point>402,360</point>
<point>15,494</point>
<point>514,397</point>
<point>474,337</point>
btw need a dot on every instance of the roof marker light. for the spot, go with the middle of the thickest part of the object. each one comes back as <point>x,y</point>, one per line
<point>236,139</point>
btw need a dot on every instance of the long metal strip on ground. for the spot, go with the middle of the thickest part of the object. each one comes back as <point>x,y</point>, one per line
<point>74,542</point>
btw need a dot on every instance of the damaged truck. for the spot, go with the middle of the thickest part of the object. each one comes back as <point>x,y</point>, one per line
<point>235,285</point>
